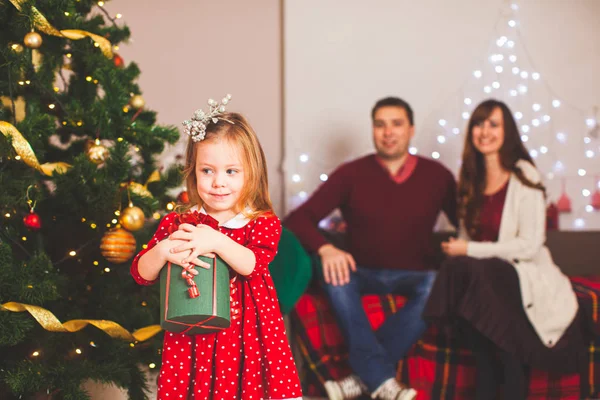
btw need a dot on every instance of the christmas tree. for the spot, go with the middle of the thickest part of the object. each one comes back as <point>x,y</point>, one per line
<point>78,179</point>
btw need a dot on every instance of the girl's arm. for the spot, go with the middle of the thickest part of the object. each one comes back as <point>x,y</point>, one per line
<point>161,232</point>
<point>238,257</point>
<point>151,262</point>
<point>248,260</point>
<point>146,266</point>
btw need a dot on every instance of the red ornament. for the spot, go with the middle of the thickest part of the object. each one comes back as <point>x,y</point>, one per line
<point>118,60</point>
<point>552,217</point>
<point>32,221</point>
<point>564,202</point>
<point>596,200</point>
<point>183,197</point>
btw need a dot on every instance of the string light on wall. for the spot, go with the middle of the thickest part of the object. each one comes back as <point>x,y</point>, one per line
<point>550,125</point>
<point>508,73</point>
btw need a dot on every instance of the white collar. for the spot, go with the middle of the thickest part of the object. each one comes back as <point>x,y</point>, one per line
<point>239,221</point>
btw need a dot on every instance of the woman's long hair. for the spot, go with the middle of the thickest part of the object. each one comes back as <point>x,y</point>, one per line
<point>472,176</point>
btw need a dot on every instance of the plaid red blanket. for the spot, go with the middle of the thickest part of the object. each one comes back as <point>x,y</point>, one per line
<point>437,366</point>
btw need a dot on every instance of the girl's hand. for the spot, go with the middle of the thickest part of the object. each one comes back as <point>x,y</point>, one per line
<point>455,247</point>
<point>199,240</point>
<point>180,258</point>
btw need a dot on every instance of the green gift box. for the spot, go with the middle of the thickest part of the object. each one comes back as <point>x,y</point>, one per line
<point>207,313</point>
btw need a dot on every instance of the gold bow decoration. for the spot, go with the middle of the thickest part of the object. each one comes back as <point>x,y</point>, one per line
<point>24,150</point>
<point>142,190</point>
<point>42,24</point>
<point>49,322</point>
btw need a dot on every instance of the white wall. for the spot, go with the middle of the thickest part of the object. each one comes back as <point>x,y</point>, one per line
<point>341,56</point>
<point>190,51</point>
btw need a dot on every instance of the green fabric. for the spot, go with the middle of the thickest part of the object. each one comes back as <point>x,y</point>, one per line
<point>291,270</point>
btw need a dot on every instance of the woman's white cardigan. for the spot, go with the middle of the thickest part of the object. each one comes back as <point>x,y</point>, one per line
<point>548,297</point>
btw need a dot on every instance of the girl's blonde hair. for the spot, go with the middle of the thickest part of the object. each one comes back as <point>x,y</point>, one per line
<point>234,128</point>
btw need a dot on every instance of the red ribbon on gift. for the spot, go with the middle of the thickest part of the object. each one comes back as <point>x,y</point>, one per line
<point>193,218</point>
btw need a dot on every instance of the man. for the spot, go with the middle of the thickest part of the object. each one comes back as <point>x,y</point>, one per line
<point>390,202</point>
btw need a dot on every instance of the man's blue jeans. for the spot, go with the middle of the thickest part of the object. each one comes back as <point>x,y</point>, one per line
<point>375,355</point>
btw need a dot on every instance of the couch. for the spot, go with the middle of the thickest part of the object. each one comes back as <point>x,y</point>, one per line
<point>439,366</point>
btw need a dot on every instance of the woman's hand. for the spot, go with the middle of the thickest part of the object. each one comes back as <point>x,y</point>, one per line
<point>201,240</point>
<point>455,247</point>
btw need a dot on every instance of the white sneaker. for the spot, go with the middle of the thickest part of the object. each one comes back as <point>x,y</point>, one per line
<point>392,390</point>
<point>351,387</point>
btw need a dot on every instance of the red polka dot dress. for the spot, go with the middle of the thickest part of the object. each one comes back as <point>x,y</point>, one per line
<point>251,360</point>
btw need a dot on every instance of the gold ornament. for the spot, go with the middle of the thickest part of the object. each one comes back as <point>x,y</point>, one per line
<point>16,47</point>
<point>33,40</point>
<point>41,23</point>
<point>97,153</point>
<point>137,101</point>
<point>117,245</point>
<point>49,322</point>
<point>132,218</point>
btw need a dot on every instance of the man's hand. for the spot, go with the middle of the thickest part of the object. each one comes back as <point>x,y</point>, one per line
<point>336,264</point>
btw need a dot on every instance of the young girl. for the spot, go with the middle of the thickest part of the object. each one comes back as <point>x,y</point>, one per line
<point>513,305</point>
<point>226,179</point>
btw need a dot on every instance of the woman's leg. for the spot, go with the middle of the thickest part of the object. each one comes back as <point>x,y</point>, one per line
<point>515,381</point>
<point>486,384</point>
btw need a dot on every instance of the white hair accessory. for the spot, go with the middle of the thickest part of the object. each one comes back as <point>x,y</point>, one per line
<point>196,126</point>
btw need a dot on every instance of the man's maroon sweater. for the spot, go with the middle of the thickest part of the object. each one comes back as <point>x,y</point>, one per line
<point>389,224</point>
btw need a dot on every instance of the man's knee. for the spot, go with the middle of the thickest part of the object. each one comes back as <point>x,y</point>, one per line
<point>342,292</point>
<point>426,284</point>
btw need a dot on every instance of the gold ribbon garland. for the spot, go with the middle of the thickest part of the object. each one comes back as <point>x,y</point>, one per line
<point>142,190</point>
<point>50,323</point>
<point>24,150</point>
<point>42,24</point>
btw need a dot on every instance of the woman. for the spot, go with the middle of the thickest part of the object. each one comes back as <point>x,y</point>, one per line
<point>500,286</point>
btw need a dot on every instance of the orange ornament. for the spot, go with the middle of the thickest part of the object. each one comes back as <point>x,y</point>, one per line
<point>117,245</point>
